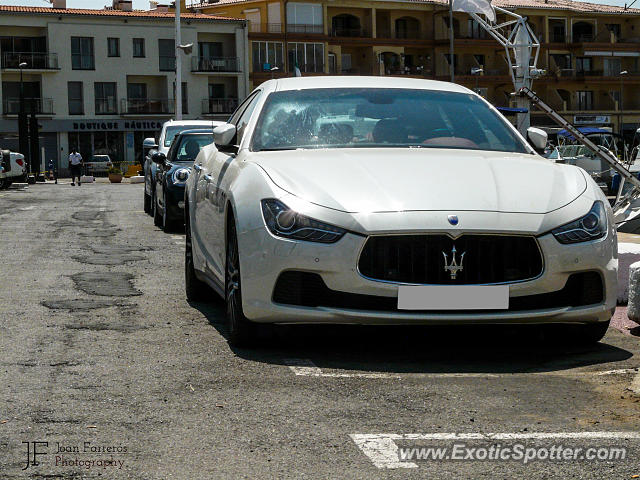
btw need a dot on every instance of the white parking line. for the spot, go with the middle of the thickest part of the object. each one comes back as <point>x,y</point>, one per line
<point>382,450</point>
<point>305,367</point>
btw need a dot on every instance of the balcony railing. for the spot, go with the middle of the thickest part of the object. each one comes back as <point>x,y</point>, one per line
<point>106,106</point>
<point>11,106</point>
<point>34,61</point>
<point>349,32</point>
<point>215,64</point>
<point>218,105</point>
<point>308,68</point>
<point>146,105</point>
<point>266,67</point>
<point>305,28</point>
<point>583,38</point>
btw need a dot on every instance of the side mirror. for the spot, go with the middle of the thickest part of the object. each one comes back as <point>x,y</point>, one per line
<point>224,134</point>
<point>159,158</point>
<point>537,137</point>
<point>149,143</point>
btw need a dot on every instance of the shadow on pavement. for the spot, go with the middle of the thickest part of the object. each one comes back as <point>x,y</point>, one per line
<point>419,349</point>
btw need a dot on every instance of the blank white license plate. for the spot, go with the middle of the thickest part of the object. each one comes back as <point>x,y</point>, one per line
<point>453,297</point>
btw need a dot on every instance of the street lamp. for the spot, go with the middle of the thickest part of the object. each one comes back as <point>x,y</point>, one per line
<point>622,74</point>
<point>273,70</point>
<point>23,139</point>
<point>477,71</point>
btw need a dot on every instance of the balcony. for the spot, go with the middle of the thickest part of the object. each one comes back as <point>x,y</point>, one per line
<point>34,61</point>
<point>106,106</point>
<point>213,106</point>
<point>41,106</point>
<point>350,32</point>
<point>215,64</point>
<point>146,106</point>
<point>305,28</point>
<point>308,68</point>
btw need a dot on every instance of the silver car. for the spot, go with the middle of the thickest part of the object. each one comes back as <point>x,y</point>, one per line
<point>369,200</point>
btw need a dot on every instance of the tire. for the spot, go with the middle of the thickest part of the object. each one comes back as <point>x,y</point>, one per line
<point>157,218</point>
<point>147,203</point>
<point>195,289</point>
<point>168,224</point>
<point>583,334</point>
<point>242,331</point>
<point>3,184</point>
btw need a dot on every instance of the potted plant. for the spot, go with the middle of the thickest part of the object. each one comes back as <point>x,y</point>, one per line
<point>115,175</point>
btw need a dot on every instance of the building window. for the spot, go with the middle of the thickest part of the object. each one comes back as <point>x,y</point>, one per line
<point>612,67</point>
<point>105,95</point>
<point>167,55</point>
<point>138,47</point>
<point>113,47</point>
<point>82,53</point>
<point>76,103</point>
<point>267,55</point>
<point>615,28</point>
<point>304,18</point>
<point>308,57</point>
<point>585,100</point>
<point>583,65</point>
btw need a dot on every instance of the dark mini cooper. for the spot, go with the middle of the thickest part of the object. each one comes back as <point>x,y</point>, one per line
<point>173,171</point>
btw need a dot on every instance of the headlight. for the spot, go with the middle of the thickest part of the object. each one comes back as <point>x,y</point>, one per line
<point>590,227</point>
<point>284,222</point>
<point>181,175</point>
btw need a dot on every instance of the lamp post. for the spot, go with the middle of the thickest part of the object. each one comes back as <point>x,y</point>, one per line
<point>23,140</point>
<point>621,130</point>
<point>273,70</point>
<point>476,71</point>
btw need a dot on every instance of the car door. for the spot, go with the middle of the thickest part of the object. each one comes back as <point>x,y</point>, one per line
<point>210,211</point>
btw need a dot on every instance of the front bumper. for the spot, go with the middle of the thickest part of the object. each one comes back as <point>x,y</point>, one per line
<point>264,257</point>
<point>175,202</point>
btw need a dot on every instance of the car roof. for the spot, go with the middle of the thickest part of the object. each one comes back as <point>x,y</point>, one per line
<point>342,81</point>
<point>171,123</point>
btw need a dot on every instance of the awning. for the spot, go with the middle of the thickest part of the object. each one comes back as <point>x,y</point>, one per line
<point>583,130</point>
<point>512,110</point>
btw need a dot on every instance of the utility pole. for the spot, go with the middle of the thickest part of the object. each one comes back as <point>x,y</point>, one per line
<point>178,87</point>
<point>23,122</point>
<point>451,64</point>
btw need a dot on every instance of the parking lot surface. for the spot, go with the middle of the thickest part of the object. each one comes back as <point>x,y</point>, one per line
<point>104,360</point>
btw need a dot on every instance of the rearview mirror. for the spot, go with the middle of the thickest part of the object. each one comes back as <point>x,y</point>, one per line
<point>149,143</point>
<point>537,137</point>
<point>159,158</point>
<point>224,134</point>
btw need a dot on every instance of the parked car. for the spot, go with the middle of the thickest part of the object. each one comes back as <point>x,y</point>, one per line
<point>441,213</point>
<point>98,164</point>
<point>14,169</point>
<point>171,176</point>
<point>169,130</point>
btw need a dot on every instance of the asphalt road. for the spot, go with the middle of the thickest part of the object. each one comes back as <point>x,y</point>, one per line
<point>99,345</point>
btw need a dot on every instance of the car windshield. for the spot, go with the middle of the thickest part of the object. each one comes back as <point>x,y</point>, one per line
<point>368,117</point>
<point>171,132</point>
<point>100,158</point>
<point>190,146</point>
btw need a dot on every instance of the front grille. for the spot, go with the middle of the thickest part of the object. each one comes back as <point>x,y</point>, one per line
<point>307,289</point>
<point>420,259</point>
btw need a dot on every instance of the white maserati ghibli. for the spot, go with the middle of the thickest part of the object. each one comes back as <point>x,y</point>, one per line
<point>370,200</point>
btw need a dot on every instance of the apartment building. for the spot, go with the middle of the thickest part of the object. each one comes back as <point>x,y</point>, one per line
<point>586,48</point>
<point>103,80</point>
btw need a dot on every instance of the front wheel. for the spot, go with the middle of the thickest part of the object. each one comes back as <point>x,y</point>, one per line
<point>195,288</point>
<point>157,218</point>
<point>583,334</point>
<point>242,331</point>
<point>147,202</point>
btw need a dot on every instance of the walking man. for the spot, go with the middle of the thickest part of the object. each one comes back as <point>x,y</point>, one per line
<point>75,163</point>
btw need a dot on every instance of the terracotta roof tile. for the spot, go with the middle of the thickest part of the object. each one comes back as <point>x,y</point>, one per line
<point>110,13</point>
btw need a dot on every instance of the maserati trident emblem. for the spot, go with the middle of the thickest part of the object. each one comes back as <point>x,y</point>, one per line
<point>453,219</point>
<point>453,268</point>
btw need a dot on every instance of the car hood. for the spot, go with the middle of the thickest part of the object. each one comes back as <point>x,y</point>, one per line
<point>383,180</point>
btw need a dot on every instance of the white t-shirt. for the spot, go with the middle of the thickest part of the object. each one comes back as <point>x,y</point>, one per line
<point>75,158</point>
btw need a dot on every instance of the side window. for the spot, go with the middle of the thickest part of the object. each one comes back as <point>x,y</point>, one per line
<point>241,125</point>
<point>238,111</point>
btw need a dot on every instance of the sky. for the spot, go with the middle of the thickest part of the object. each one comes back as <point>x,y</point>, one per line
<point>144,4</point>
